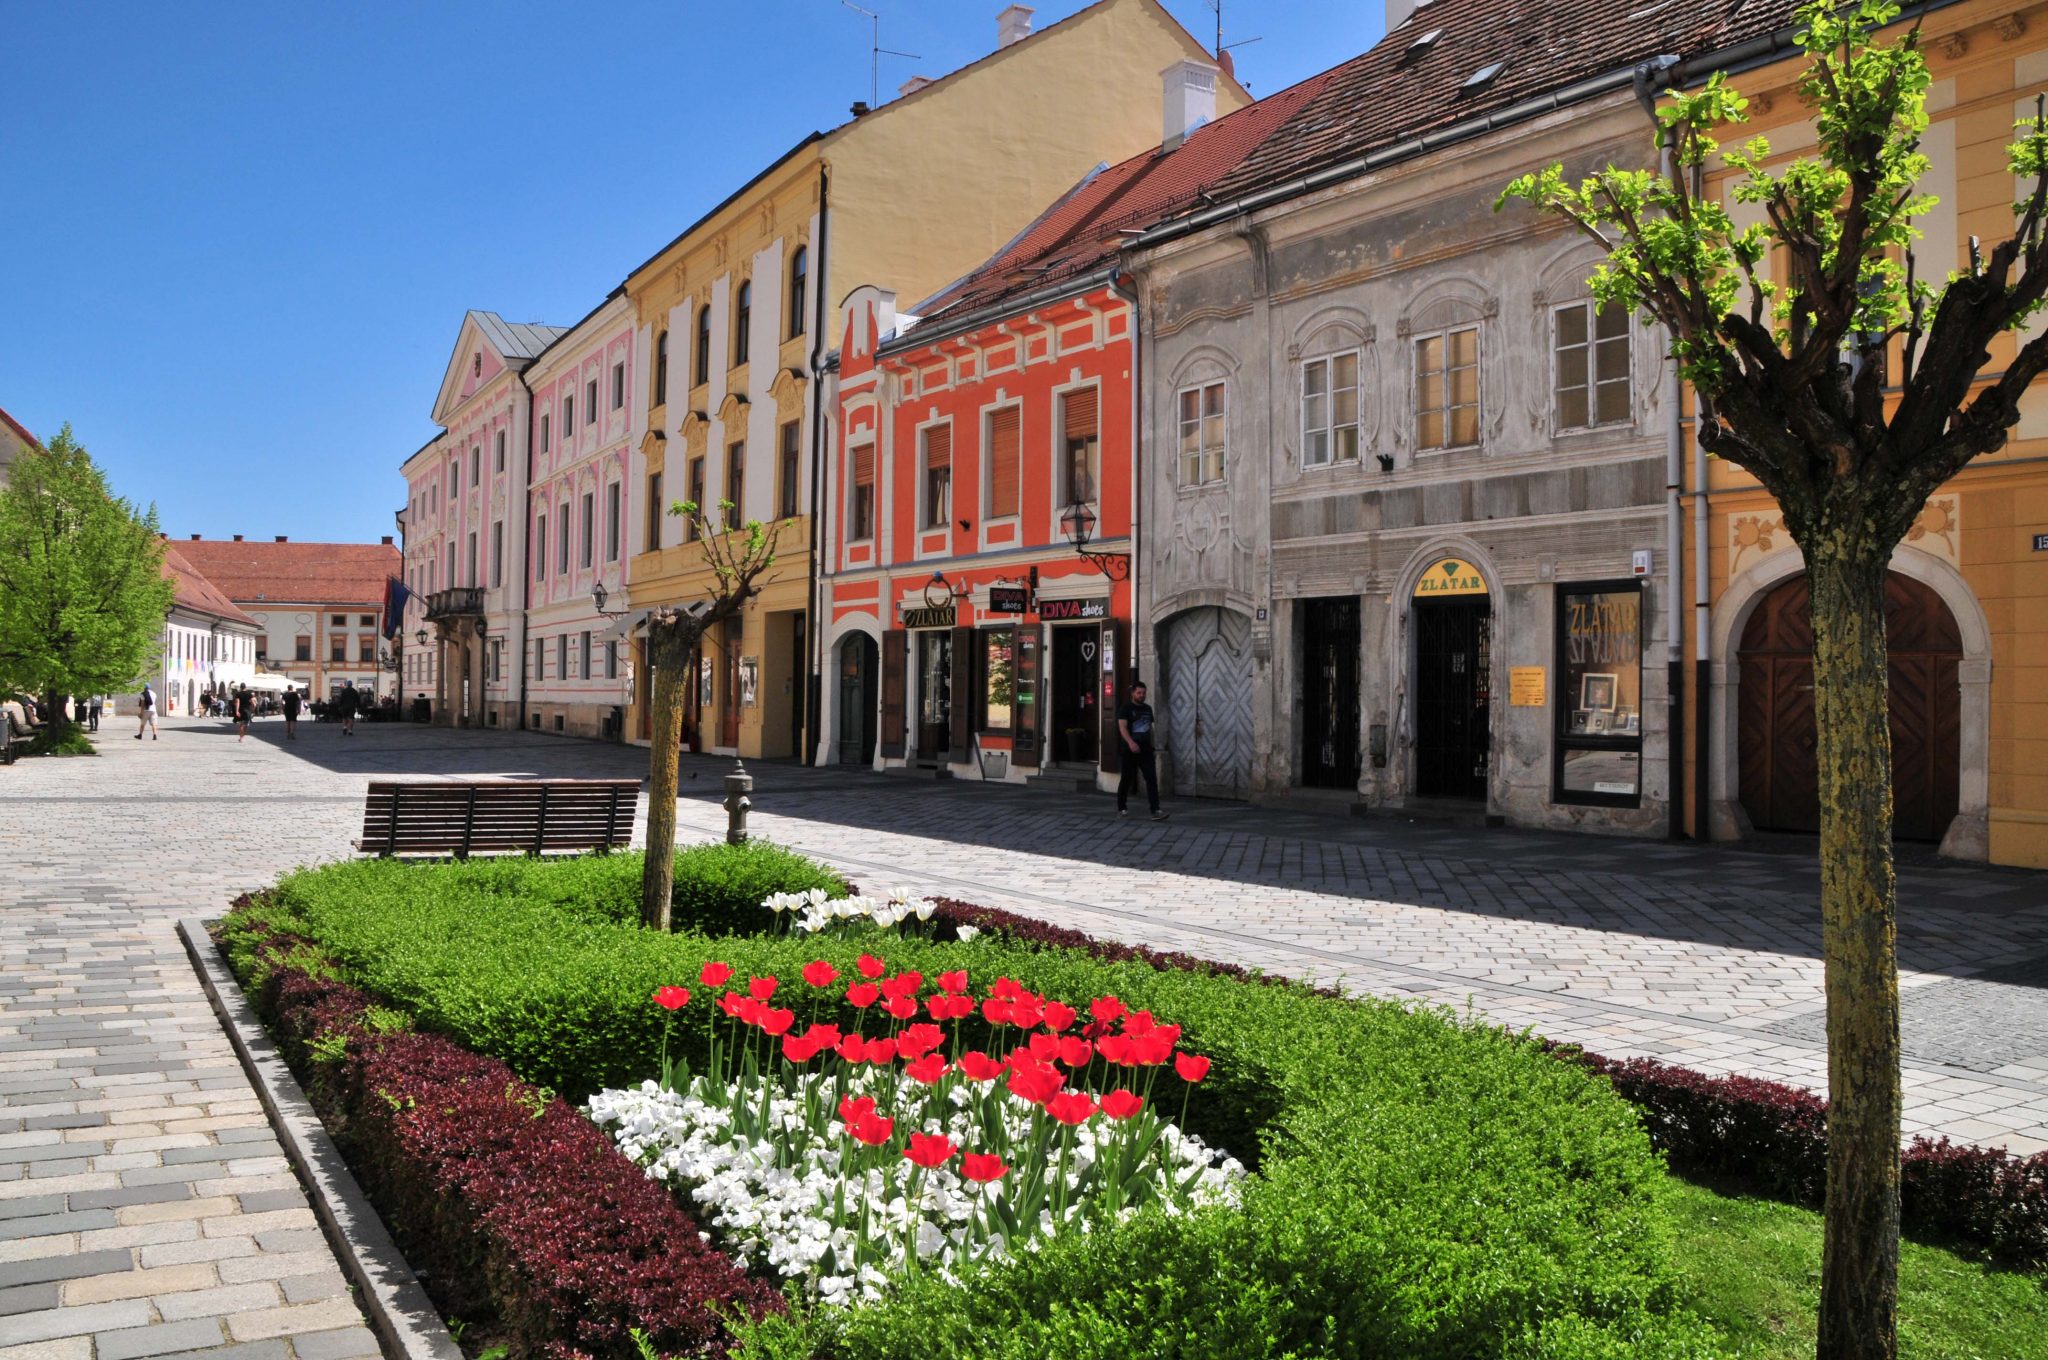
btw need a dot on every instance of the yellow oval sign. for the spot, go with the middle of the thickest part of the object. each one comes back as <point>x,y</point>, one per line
<point>1450,576</point>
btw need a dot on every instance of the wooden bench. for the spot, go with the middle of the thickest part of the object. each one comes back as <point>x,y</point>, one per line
<point>530,817</point>
<point>16,733</point>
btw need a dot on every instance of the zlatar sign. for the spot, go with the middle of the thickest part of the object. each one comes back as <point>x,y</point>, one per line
<point>1450,576</point>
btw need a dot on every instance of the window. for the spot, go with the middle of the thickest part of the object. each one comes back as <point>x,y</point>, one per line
<point>590,402</point>
<point>661,369</point>
<point>339,620</point>
<point>366,647</point>
<point>936,486</point>
<point>1592,366</point>
<point>589,523</point>
<point>497,553</point>
<point>736,485</point>
<point>1329,411</point>
<point>787,458</point>
<point>1081,446</point>
<point>544,444</point>
<point>367,620</point>
<point>337,649</point>
<point>1447,390</point>
<point>583,654</point>
<point>1599,703</point>
<point>742,322</point>
<point>561,656</point>
<point>302,648</point>
<point>696,497</point>
<point>454,480</point>
<point>611,522</point>
<point>540,658</point>
<point>501,450</point>
<point>704,344</point>
<point>998,679</point>
<point>476,364</point>
<point>476,464</point>
<point>618,385</point>
<point>1201,434</point>
<point>654,512</point>
<point>799,269</point>
<point>611,660</point>
<point>562,539</point>
<point>540,548</point>
<point>568,419</point>
<point>1005,475</point>
<point>861,514</point>
<point>471,578</point>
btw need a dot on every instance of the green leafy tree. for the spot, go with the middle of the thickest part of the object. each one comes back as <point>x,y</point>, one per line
<point>738,559</point>
<point>1827,366</point>
<point>82,592</point>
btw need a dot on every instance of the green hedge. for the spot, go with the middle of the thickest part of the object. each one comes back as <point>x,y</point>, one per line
<point>719,887</point>
<point>1427,1188</point>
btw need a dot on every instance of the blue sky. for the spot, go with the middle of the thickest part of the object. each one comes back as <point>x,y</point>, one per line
<point>240,237</point>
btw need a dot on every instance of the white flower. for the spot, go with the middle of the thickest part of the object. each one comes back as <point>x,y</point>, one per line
<point>966,933</point>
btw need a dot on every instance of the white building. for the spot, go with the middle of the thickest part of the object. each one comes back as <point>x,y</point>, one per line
<point>208,642</point>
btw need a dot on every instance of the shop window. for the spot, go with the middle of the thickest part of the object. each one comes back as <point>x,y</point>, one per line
<point>1599,698</point>
<point>998,680</point>
<point>861,514</point>
<point>936,486</point>
<point>1447,389</point>
<point>1592,366</point>
<point>1329,410</point>
<point>1005,478</point>
<point>799,269</point>
<point>1081,447</point>
<point>788,457</point>
<point>1201,434</point>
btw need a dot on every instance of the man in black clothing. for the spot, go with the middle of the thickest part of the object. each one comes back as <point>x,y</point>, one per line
<point>292,702</point>
<point>1134,729</point>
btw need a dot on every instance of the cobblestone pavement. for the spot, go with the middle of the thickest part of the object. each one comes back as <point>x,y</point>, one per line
<point>146,1210</point>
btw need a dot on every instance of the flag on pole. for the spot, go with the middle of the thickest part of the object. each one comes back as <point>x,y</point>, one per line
<point>395,596</point>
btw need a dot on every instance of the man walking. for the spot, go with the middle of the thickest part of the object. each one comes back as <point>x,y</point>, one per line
<point>146,705</point>
<point>1134,728</point>
<point>345,702</point>
<point>291,715</point>
<point>245,709</point>
<point>92,712</point>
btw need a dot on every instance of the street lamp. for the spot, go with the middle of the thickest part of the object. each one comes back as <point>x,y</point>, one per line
<point>422,636</point>
<point>598,595</point>
<point>1078,522</point>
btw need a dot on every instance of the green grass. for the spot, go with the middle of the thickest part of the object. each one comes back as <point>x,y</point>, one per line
<point>1752,1266</point>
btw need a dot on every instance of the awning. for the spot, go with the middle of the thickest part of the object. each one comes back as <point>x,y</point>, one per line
<point>274,684</point>
<point>632,621</point>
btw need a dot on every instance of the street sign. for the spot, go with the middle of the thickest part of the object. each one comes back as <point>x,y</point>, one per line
<point>2041,542</point>
<point>1008,599</point>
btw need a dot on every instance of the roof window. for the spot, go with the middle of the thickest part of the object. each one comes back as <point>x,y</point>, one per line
<point>1420,48</point>
<point>1482,77</point>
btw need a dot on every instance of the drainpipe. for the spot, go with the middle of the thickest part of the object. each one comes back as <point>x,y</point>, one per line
<point>1122,287</point>
<point>524,408</point>
<point>1702,608</point>
<point>813,682</point>
<point>1646,79</point>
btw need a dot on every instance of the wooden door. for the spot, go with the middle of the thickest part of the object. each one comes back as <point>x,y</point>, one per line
<point>895,692</point>
<point>1329,693</point>
<point>857,700</point>
<point>1207,703</point>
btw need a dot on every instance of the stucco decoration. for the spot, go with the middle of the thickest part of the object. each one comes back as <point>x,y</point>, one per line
<point>1204,544</point>
<point>1938,529</point>
<point>1754,536</point>
<point>787,392</point>
<point>732,412</point>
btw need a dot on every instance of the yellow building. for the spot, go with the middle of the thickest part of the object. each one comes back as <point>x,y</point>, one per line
<point>734,312</point>
<point>1968,616</point>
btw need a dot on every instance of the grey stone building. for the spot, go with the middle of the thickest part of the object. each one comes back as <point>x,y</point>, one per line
<point>1407,501</point>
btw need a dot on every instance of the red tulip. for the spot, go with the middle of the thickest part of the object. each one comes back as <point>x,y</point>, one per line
<point>903,984</point>
<point>800,1049</point>
<point>1036,1085</point>
<point>1122,1104</point>
<point>870,966</point>
<point>927,1069</point>
<point>901,1007</point>
<point>1076,1052</point>
<point>1150,1050</point>
<point>853,1048</point>
<point>1007,988</point>
<point>1106,1008</point>
<point>1044,1047</point>
<point>1116,1048</point>
<point>1191,1067</point>
<point>731,1002</point>
<point>1026,1013</point>
<point>919,1039</point>
<point>1058,1017</point>
<point>978,1066</point>
<point>820,974</point>
<point>825,1035</point>
<point>954,982</point>
<point>862,995</point>
<point>1070,1107</point>
<point>715,974</point>
<point>1094,1029</point>
<point>996,1011</point>
<point>775,1020</point>
<point>671,998</point>
<point>873,1130</point>
<point>853,1109</point>
<point>1139,1023</point>
<point>881,1051</point>
<point>761,988</point>
<point>983,1167</point>
<point>930,1149</point>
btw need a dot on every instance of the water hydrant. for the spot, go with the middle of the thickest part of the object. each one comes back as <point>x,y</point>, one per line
<point>738,785</point>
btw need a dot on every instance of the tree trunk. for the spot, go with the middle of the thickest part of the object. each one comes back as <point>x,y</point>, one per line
<point>657,880</point>
<point>1860,1257</point>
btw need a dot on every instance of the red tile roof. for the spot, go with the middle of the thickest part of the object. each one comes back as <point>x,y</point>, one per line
<point>20,431</point>
<point>196,593</point>
<point>256,574</point>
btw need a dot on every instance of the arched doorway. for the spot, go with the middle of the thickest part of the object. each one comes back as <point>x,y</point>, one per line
<point>857,657</point>
<point>1776,724</point>
<point>1208,702</point>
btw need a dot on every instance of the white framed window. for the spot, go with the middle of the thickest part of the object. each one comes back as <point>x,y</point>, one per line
<point>1080,464</point>
<point>501,450</point>
<point>1591,377</point>
<point>1447,389</point>
<point>1201,434</point>
<point>935,482</point>
<point>618,386</point>
<point>1329,410</point>
<point>861,510</point>
<point>590,402</point>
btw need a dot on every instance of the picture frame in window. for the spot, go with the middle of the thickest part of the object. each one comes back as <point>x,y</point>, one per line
<point>1596,691</point>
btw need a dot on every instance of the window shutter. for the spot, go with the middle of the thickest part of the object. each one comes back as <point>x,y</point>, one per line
<point>938,446</point>
<point>1006,473</point>
<point>1081,422</point>
<point>864,465</point>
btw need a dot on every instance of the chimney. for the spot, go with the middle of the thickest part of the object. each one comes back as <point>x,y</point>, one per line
<point>281,539</point>
<point>195,538</point>
<point>1013,25</point>
<point>860,108</point>
<point>238,538</point>
<point>913,85</point>
<point>1399,10</point>
<point>1190,99</point>
<point>387,540</point>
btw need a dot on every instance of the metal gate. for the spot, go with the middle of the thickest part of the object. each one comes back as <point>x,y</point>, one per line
<point>1453,689</point>
<point>1208,703</point>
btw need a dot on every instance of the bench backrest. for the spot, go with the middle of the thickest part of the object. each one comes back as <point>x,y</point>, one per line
<point>531,816</point>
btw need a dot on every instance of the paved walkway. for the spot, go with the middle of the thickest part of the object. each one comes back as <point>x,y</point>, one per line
<point>145,1209</point>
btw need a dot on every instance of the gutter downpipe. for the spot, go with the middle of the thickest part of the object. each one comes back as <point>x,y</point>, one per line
<point>813,681</point>
<point>525,534</point>
<point>1647,78</point>
<point>1121,286</point>
<point>1702,613</point>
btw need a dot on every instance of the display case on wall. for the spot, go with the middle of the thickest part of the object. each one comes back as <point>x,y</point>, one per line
<point>1598,697</point>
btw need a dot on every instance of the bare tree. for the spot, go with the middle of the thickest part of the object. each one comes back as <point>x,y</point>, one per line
<point>738,559</point>
<point>1850,387</point>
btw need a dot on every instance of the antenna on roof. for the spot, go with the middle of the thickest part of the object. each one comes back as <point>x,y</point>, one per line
<point>876,52</point>
<point>1216,6</point>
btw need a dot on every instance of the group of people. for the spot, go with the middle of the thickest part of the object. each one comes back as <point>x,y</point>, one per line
<point>245,705</point>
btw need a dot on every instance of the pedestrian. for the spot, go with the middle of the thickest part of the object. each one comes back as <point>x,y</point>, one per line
<point>245,709</point>
<point>345,702</point>
<point>1134,728</point>
<point>291,715</point>
<point>146,705</point>
<point>92,711</point>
